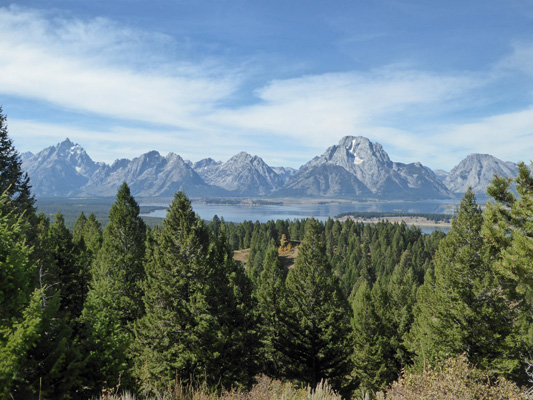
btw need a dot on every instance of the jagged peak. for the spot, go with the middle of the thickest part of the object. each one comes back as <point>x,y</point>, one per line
<point>360,149</point>
<point>175,157</point>
<point>150,154</point>
<point>242,157</point>
<point>67,142</point>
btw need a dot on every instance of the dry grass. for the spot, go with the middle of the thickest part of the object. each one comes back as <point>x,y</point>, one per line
<point>241,256</point>
<point>455,379</point>
<point>265,389</point>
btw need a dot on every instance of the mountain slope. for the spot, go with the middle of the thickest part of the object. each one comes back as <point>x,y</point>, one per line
<point>149,175</point>
<point>66,170</point>
<point>355,168</point>
<point>477,171</point>
<point>60,170</point>
<point>376,176</point>
<point>245,175</point>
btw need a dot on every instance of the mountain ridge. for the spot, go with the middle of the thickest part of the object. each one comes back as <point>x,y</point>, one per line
<point>355,168</point>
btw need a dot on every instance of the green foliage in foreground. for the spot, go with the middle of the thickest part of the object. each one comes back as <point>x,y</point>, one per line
<point>463,306</point>
<point>199,322</point>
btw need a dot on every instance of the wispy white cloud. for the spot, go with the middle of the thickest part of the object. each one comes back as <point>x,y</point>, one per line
<point>81,66</point>
<point>320,109</point>
<point>520,58</point>
<point>508,136</point>
<point>110,143</point>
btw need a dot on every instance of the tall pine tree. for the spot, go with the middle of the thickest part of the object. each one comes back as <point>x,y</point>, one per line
<point>196,301</point>
<point>21,311</point>
<point>508,226</point>
<point>13,181</point>
<point>270,294</point>
<point>69,272</point>
<point>114,300</point>
<point>462,308</point>
<point>316,332</point>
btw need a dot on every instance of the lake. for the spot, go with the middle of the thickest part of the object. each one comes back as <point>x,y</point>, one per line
<point>264,213</point>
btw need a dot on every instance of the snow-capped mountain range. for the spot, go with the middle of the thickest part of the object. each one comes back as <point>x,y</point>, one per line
<point>355,168</point>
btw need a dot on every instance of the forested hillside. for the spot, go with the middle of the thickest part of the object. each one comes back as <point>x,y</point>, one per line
<point>147,309</point>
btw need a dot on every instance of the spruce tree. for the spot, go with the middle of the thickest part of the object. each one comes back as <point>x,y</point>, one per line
<point>508,226</point>
<point>197,326</point>
<point>77,230</point>
<point>92,234</point>
<point>13,181</point>
<point>121,256</point>
<point>316,333</point>
<point>55,363</point>
<point>382,316</point>
<point>461,308</point>
<point>232,305</point>
<point>21,311</point>
<point>270,294</point>
<point>68,272</point>
<point>114,300</point>
<point>508,232</point>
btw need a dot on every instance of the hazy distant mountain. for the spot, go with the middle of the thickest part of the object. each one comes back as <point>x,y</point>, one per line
<point>325,180</point>
<point>60,170</point>
<point>477,171</point>
<point>363,170</point>
<point>355,168</point>
<point>441,174</point>
<point>244,175</point>
<point>26,155</point>
<point>285,173</point>
<point>67,170</point>
<point>149,175</point>
<point>206,168</point>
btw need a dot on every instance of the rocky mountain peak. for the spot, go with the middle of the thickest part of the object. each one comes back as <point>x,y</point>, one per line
<point>241,157</point>
<point>175,158</point>
<point>243,174</point>
<point>60,169</point>
<point>360,149</point>
<point>368,170</point>
<point>476,171</point>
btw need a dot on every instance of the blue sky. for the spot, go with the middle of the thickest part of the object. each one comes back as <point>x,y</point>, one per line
<point>430,81</point>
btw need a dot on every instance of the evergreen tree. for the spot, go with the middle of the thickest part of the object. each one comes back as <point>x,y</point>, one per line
<point>371,346</point>
<point>196,301</point>
<point>508,226</point>
<point>36,350</point>
<point>13,181</point>
<point>382,316</point>
<point>121,257</point>
<point>54,364</point>
<point>68,273</point>
<point>462,308</point>
<point>21,312</point>
<point>232,305</point>
<point>270,294</point>
<point>92,234</point>
<point>508,231</point>
<point>114,300</point>
<point>401,289</point>
<point>77,231</point>
<point>316,334</point>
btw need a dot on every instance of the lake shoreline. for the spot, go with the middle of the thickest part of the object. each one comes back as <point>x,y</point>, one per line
<point>416,221</point>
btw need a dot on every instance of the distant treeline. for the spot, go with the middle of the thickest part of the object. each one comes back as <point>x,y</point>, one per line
<point>385,215</point>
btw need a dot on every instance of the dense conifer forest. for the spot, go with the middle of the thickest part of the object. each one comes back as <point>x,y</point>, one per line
<point>150,309</point>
